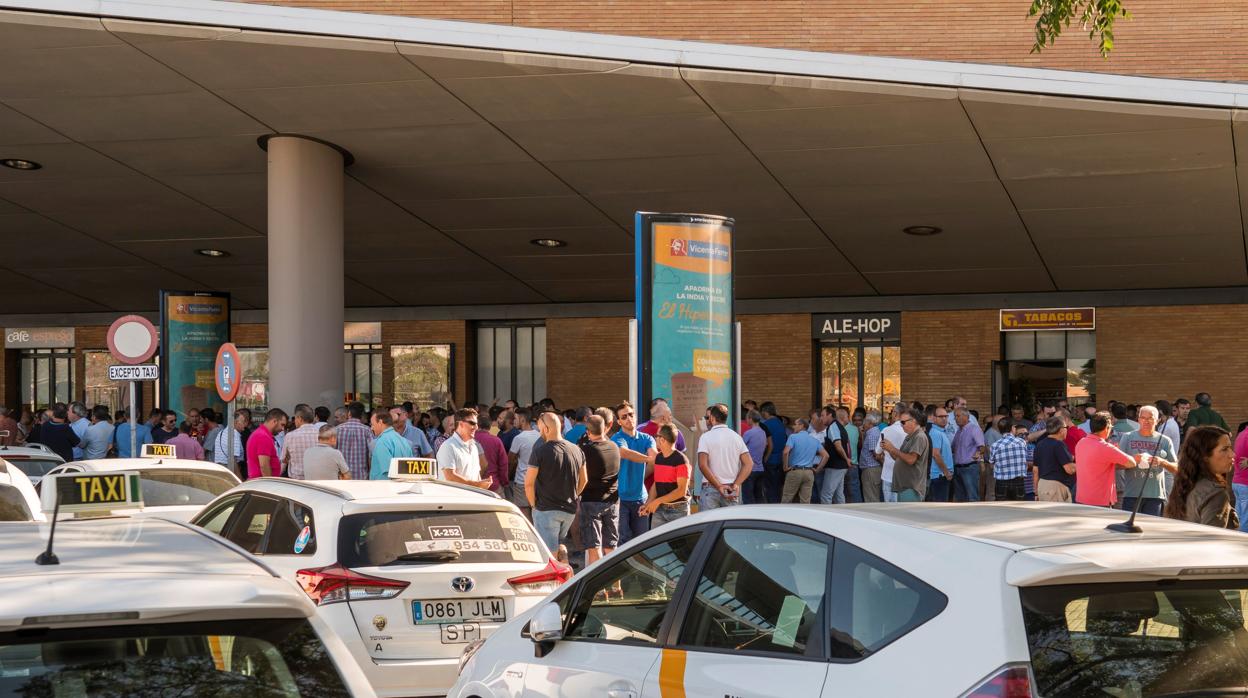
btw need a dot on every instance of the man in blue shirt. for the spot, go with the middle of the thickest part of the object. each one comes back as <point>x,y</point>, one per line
<point>802,458</point>
<point>121,436</point>
<point>637,453</point>
<point>79,423</point>
<point>387,446</point>
<point>577,432</point>
<point>941,469</point>
<point>773,461</point>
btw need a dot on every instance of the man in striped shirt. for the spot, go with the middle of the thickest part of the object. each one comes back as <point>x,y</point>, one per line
<point>1009,458</point>
<point>355,441</point>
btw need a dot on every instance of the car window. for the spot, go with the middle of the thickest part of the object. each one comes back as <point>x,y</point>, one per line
<point>275,658</point>
<point>216,519</point>
<point>13,505</point>
<point>287,534</point>
<point>247,531</point>
<point>760,590</point>
<point>1173,637</point>
<point>35,467</point>
<point>875,602</point>
<point>165,487</point>
<point>626,602</point>
<point>424,537</point>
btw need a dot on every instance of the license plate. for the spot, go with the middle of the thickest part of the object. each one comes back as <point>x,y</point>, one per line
<point>457,633</point>
<point>444,611</point>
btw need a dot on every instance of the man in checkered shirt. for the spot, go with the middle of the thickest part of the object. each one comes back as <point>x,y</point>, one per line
<point>1009,463</point>
<point>305,436</point>
<point>355,441</point>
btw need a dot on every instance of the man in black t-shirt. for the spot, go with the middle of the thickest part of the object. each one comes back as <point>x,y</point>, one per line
<point>556,475</point>
<point>831,489</point>
<point>1054,464</point>
<point>600,506</point>
<point>57,435</point>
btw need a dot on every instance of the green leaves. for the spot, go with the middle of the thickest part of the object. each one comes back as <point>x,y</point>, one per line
<point>1095,16</point>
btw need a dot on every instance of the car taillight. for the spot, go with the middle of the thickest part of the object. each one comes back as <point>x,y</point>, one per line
<point>335,583</point>
<point>544,580</point>
<point>1009,682</point>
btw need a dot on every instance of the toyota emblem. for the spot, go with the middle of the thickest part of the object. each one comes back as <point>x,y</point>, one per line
<point>463,584</point>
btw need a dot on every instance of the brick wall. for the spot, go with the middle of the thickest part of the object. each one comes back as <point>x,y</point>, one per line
<point>587,361</point>
<point>947,353</point>
<point>777,362</point>
<point>1147,354</point>
<point>1170,38</point>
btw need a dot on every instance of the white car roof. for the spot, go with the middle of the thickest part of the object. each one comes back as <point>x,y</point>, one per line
<point>159,569</point>
<point>36,451</point>
<point>1050,542</point>
<point>383,491</point>
<point>115,464</point>
<point>13,476</point>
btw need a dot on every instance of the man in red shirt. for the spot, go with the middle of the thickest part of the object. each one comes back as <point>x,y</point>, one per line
<point>1095,462</point>
<point>262,458</point>
<point>1073,433</point>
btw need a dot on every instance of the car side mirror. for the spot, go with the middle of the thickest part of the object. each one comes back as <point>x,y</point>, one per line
<point>546,628</point>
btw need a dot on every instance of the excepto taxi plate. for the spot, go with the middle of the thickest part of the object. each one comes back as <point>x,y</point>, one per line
<point>444,611</point>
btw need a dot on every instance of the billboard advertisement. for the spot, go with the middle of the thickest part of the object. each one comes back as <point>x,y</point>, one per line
<point>193,326</point>
<point>685,313</point>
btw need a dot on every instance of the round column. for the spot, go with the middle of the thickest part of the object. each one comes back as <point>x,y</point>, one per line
<point>306,303</point>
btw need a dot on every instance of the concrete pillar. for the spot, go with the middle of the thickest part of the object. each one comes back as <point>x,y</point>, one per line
<point>306,303</point>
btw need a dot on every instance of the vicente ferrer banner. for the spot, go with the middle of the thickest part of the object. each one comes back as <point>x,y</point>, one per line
<point>685,312</point>
<point>193,326</point>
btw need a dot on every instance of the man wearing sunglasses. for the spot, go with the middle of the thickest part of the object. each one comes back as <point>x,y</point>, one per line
<point>911,459</point>
<point>460,459</point>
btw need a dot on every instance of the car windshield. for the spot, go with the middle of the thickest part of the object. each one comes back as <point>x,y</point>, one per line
<point>415,537</point>
<point>34,467</point>
<point>13,505</point>
<point>1141,639</point>
<point>274,658</point>
<point>166,487</point>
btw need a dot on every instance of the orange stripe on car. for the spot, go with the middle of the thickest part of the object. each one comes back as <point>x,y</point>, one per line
<point>672,674</point>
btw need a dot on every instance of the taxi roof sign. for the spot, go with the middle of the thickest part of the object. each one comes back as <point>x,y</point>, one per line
<point>413,469</point>
<point>159,451</point>
<point>97,492</point>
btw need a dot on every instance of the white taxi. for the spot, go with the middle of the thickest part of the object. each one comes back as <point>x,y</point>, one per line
<point>151,607</point>
<point>34,459</point>
<point>405,572</point>
<point>18,499</point>
<point>1006,600</point>
<point>172,487</point>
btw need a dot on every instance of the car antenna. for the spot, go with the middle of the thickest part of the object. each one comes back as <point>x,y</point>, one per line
<point>48,557</point>
<point>1129,526</point>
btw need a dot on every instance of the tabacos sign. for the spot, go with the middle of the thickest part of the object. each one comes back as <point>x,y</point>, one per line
<point>1048,319</point>
<point>856,326</point>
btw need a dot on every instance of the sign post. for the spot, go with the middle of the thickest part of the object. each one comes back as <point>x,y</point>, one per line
<point>227,375</point>
<point>132,340</point>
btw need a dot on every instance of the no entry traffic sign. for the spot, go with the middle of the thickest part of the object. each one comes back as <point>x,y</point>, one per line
<point>132,339</point>
<point>228,372</point>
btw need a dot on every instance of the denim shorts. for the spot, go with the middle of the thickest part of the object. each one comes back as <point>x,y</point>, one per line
<point>600,524</point>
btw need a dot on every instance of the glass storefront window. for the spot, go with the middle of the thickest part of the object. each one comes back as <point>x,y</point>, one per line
<point>857,375</point>
<point>511,363</point>
<point>1080,345</point>
<point>1020,346</point>
<point>1080,381</point>
<point>422,374</point>
<point>254,393</point>
<point>99,390</point>
<point>47,376</point>
<point>362,373</point>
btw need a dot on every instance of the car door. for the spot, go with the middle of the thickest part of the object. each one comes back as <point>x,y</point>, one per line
<point>756,612</point>
<point>611,639</point>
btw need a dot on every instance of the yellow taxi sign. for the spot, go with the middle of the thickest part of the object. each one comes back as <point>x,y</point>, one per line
<point>159,451</point>
<point>91,491</point>
<point>413,469</point>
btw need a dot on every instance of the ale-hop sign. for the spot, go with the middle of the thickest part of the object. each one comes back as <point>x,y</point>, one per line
<point>856,326</point>
<point>1034,319</point>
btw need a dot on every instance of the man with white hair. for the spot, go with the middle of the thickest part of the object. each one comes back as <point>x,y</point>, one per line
<point>660,414</point>
<point>1151,449</point>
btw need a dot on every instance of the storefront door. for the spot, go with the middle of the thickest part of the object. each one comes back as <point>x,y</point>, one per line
<point>857,374</point>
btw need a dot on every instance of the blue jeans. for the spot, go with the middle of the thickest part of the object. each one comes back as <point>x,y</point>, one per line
<point>774,475</point>
<point>816,492</point>
<point>1241,505</point>
<point>938,489</point>
<point>753,490</point>
<point>832,491</point>
<point>966,483</point>
<point>552,526</point>
<point>632,524</point>
<point>1150,505</point>
<point>669,512</point>
<point>886,489</point>
<point>711,498</point>
<point>853,486</point>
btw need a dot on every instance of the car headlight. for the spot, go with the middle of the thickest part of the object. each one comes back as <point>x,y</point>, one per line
<point>470,650</point>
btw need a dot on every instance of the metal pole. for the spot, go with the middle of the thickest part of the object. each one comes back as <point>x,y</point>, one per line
<point>134,434</point>
<point>229,435</point>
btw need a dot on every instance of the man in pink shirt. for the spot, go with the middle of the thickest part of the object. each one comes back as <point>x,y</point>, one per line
<point>495,453</point>
<point>188,448</point>
<point>262,447</point>
<point>1239,482</point>
<point>1095,462</point>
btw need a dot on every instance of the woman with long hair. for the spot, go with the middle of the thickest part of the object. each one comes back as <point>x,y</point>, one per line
<point>1200,493</point>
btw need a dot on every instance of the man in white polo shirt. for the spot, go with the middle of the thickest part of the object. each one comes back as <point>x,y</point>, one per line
<point>894,434</point>
<point>460,459</point>
<point>723,459</point>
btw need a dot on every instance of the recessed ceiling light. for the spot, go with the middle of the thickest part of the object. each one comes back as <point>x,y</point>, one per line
<point>548,242</point>
<point>922,230</point>
<point>213,253</point>
<point>20,164</point>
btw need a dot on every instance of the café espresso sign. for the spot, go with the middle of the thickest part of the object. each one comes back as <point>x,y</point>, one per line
<point>856,326</point>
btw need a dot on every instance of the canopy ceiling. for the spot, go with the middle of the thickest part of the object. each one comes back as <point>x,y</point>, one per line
<point>147,133</point>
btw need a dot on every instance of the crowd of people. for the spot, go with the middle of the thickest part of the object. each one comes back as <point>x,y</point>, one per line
<point>592,478</point>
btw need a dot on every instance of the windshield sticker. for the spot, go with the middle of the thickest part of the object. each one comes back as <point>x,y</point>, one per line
<point>445,532</point>
<point>467,545</point>
<point>302,541</point>
<point>523,551</point>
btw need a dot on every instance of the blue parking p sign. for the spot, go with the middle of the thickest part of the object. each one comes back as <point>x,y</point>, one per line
<point>228,372</point>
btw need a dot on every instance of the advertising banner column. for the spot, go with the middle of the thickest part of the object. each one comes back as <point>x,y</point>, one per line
<point>193,326</point>
<point>685,342</point>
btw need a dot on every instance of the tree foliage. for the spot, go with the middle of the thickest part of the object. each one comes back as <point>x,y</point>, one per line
<point>1094,16</point>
